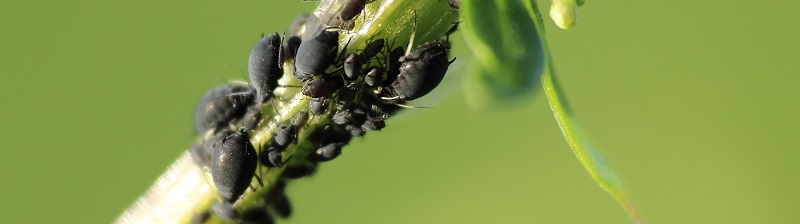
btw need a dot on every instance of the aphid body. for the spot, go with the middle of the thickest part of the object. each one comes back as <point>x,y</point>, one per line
<point>318,106</point>
<point>323,86</point>
<point>221,105</point>
<point>352,9</point>
<point>421,70</point>
<point>264,66</point>
<point>316,55</point>
<point>233,164</point>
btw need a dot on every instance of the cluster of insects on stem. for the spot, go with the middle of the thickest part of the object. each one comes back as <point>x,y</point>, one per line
<point>348,93</point>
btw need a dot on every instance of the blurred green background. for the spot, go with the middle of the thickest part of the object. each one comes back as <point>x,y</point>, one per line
<point>694,102</point>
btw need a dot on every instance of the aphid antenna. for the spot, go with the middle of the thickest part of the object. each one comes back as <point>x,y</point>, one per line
<point>410,107</point>
<point>240,82</point>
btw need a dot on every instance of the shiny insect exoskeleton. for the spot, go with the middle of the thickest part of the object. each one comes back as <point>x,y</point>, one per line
<point>374,123</point>
<point>220,106</point>
<point>265,67</point>
<point>318,106</point>
<point>374,76</point>
<point>330,142</point>
<point>355,130</point>
<point>327,152</point>
<point>372,49</point>
<point>420,71</point>
<point>323,86</point>
<point>272,157</point>
<point>233,164</point>
<point>342,117</point>
<point>352,66</point>
<point>286,134</point>
<point>352,9</point>
<point>314,56</point>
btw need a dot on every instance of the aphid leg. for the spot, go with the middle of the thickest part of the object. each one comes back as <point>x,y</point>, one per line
<point>390,98</point>
<point>452,30</point>
<point>239,82</point>
<point>344,50</point>
<point>260,172</point>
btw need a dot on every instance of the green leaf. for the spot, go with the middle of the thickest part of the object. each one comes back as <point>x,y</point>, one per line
<point>581,146</point>
<point>590,158</point>
<point>508,40</point>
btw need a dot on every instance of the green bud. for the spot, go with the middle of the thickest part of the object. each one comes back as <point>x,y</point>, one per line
<point>564,13</point>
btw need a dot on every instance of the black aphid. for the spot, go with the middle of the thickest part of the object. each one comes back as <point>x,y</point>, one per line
<point>286,134</point>
<point>233,164</point>
<point>346,96</point>
<point>318,106</point>
<point>298,171</point>
<point>251,118</point>
<point>256,215</point>
<point>352,9</point>
<point>219,106</point>
<point>272,157</point>
<point>342,117</point>
<point>355,131</point>
<point>199,154</point>
<point>300,119</point>
<point>281,206</point>
<point>277,189</point>
<point>316,55</point>
<point>201,151</point>
<point>359,115</point>
<point>327,152</point>
<point>374,124</point>
<point>291,46</point>
<point>374,76</point>
<point>352,67</point>
<point>372,49</point>
<point>420,71</point>
<point>323,86</point>
<point>264,66</point>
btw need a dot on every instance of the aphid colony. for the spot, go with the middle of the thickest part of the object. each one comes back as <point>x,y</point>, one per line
<point>353,92</point>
